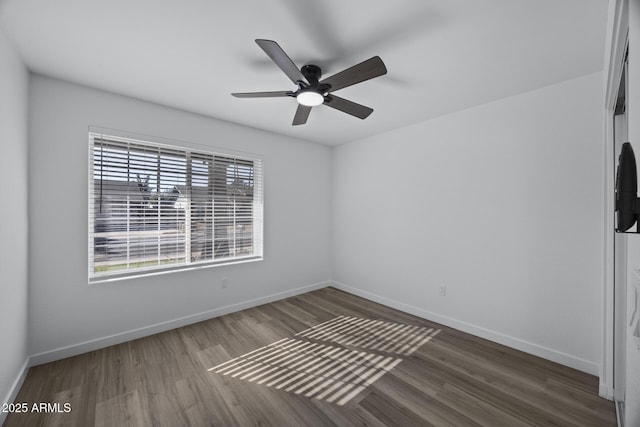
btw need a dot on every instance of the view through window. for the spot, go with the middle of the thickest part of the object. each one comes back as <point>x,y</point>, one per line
<point>158,207</point>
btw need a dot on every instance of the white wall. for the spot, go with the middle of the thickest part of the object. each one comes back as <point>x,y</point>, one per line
<point>13,219</point>
<point>502,203</point>
<point>65,311</point>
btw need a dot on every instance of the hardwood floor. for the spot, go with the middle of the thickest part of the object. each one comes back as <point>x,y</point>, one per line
<point>322,358</point>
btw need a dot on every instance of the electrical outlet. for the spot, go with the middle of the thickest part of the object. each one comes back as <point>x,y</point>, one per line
<point>442,291</point>
<point>223,283</point>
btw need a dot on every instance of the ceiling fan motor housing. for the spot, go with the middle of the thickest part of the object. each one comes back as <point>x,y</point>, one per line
<point>312,73</point>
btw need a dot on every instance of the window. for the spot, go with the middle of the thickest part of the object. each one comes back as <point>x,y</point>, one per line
<point>155,207</point>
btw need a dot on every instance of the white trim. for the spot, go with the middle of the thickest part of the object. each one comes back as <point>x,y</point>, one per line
<point>173,142</point>
<point>615,46</point>
<point>15,387</point>
<point>86,346</point>
<point>518,344</point>
<point>157,271</point>
<point>620,412</point>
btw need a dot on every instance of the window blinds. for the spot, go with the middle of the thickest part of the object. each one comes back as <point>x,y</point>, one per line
<point>155,207</point>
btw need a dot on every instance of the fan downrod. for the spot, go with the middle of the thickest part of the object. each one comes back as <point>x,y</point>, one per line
<point>312,73</point>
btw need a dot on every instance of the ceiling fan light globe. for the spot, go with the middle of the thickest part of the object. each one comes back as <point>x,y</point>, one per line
<point>310,98</point>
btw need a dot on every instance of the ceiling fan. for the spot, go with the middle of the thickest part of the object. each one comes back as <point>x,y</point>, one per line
<point>311,90</point>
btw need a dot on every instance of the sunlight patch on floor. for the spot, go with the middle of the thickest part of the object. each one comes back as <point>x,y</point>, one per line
<point>332,372</point>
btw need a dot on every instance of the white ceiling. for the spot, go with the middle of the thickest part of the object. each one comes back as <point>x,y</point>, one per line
<point>441,56</point>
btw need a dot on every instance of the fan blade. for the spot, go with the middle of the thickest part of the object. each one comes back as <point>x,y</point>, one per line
<point>373,67</point>
<point>263,94</point>
<point>281,59</point>
<point>346,106</point>
<point>302,114</point>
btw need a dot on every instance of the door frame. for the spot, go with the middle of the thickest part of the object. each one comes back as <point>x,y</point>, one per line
<point>615,48</point>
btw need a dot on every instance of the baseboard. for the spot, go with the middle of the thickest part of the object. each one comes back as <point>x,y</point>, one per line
<point>518,344</point>
<point>620,413</point>
<point>84,347</point>
<point>15,387</point>
<point>605,391</point>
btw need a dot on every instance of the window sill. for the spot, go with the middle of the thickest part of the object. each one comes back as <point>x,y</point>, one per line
<point>115,277</point>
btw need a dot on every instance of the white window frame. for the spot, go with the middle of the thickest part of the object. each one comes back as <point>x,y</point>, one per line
<point>190,151</point>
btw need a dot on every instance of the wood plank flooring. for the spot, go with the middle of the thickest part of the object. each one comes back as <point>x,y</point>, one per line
<point>325,358</point>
